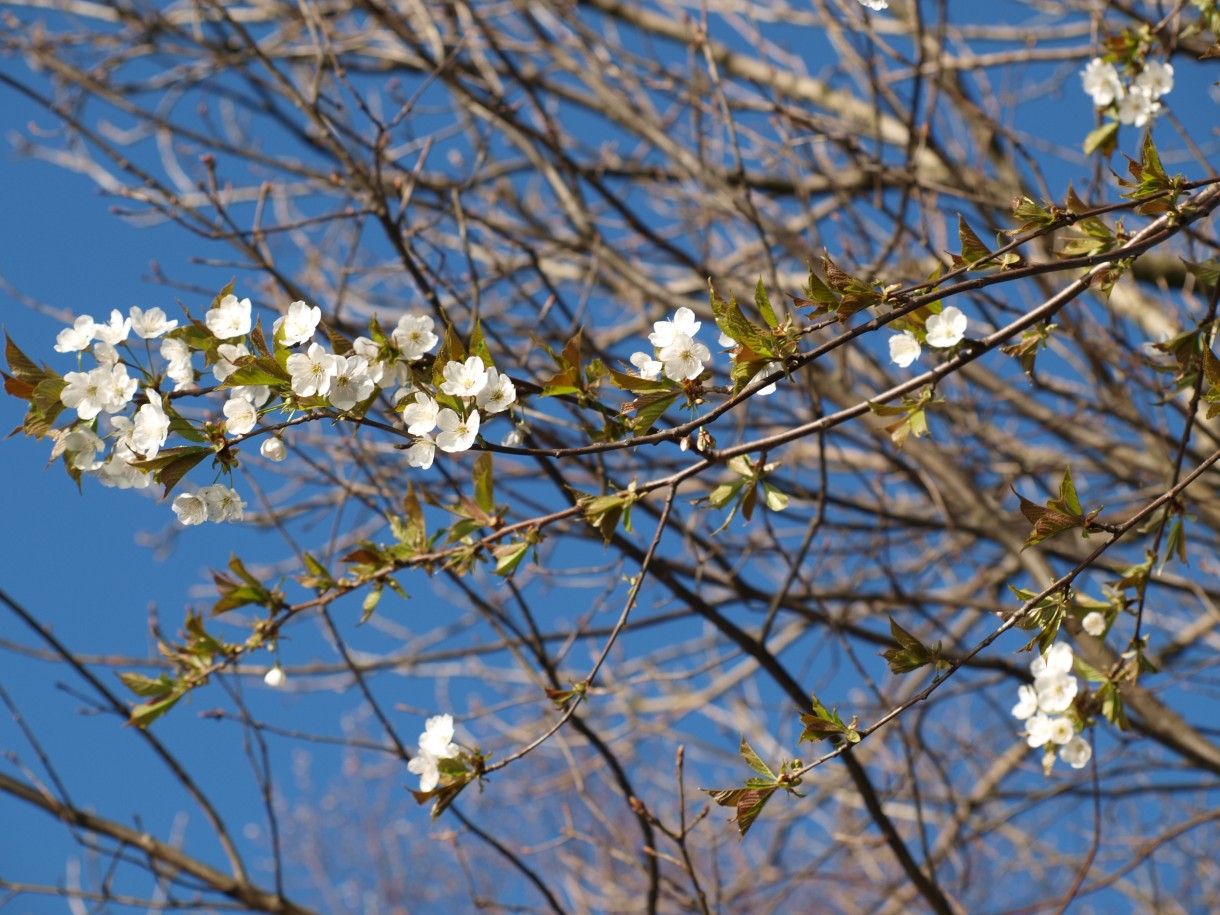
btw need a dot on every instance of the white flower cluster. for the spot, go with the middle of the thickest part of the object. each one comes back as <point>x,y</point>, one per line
<point>676,353</point>
<point>471,380</point>
<point>214,503</point>
<point>941,330</point>
<point>435,743</point>
<point>1134,103</point>
<point>1044,705</point>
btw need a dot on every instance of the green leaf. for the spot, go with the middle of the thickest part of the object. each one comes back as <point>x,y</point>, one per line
<point>170,466</point>
<point>753,761</point>
<point>973,249</point>
<point>484,495</point>
<point>730,320</point>
<point>649,408</point>
<point>371,600</point>
<point>764,305</point>
<point>508,556</point>
<point>252,370</point>
<point>21,365</point>
<point>1104,139</point>
<point>911,654</point>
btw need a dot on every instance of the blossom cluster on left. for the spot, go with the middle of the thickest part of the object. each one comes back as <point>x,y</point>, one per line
<point>135,372</point>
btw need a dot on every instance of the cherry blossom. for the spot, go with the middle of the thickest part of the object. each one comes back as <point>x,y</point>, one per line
<point>684,357</point>
<point>904,349</point>
<point>240,416</point>
<point>1076,753</point>
<point>230,318</point>
<point>350,383</point>
<point>1101,81</point>
<point>311,371</point>
<point>947,328</point>
<point>273,449</point>
<point>457,434</point>
<point>77,337</point>
<point>414,336</point>
<point>299,324</point>
<point>464,379</point>
<point>115,330</point>
<point>422,452</point>
<point>420,416</point>
<point>1094,623</point>
<point>150,324</point>
<point>683,323</point>
<point>190,509</point>
<point>649,368</point>
<point>498,394</point>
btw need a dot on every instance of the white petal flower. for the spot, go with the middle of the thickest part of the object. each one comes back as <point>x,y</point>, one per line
<point>684,358</point>
<point>1156,79</point>
<point>1056,691</point>
<point>240,416</point>
<point>1094,623</point>
<point>664,332</point>
<point>904,349</point>
<point>1076,753</point>
<point>424,765</point>
<point>151,323</point>
<point>86,392</point>
<point>514,439</point>
<point>273,449</point>
<point>77,337</point>
<point>649,368</point>
<point>464,379</point>
<point>82,447</point>
<point>119,387</point>
<point>946,328</point>
<point>311,371</point>
<point>498,393</point>
<point>190,509</point>
<point>382,374</point>
<point>179,370</point>
<point>299,324</point>
<point>113,331</point>
<point>350,383</point>
<point>257,394</point>
<point>414,336</point>
<point>274,677</point>
<point>1037,729</point>
<point>437,738</point>
<point>1136,108</point>
<point>227,355</point>
<point>422,453</point>
<point>1058,658</point>
<point>151,426</point>
<point>725,341</point>
<point>457,434</point>
<point>877,5</point>
<point>1101,82</point>
<point>230,318</point>
<point>769,369</point>
<point>104,353</point>
<point>1061,730</point>
<point>223,503</point>
<point>1027,703</point>
<point>420,416</point>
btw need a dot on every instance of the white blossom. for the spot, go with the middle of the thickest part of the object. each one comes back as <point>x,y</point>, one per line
<point>151,323</point>
<point>1027,703</point>
<point>424,765</point>
<point>1061,730</point>
<point>120,387</point>
<point>115,330</point>
<point>1156,79</point>
<point>274,677</point>
<point>150,428</point>
<point>311,371</point>
<point>190,509</point>
<point>227,355</point>
<point>350,383</point>
<point>437,738</point>
<point>1056,691</point>
<point>299,324</point>
<point>82,447</point>
<point>1094,623</point>
<point>1101,82</point>
<point>240,416</point>
<point>77,337</point>
<point>420,416</point>
<point>498,394</point>
<point>257,394</point>
<point>1136,108</point>
<point>947,328</point>
<point>876,5</point>
<point>1076,753</point>
<point>684,357</point>
<point>683,323</point>
<point>223,503</point>
<point>422,452</point>
<point>725,341</point>
<point>230,318</point>
<point>457,434</point>
<point>904,349</point>
<point>515,438</point>
<point>273,449</point>
<point>179,370</point>
<point>1058,658</point>
<point>381,374</point>
<point>649,368</point>
<point>105,353</point>
<point>464,379</point>
<point>84,393</point>
<point>768,369</point>
<point>414,336</point>
<point>1037,729</point>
